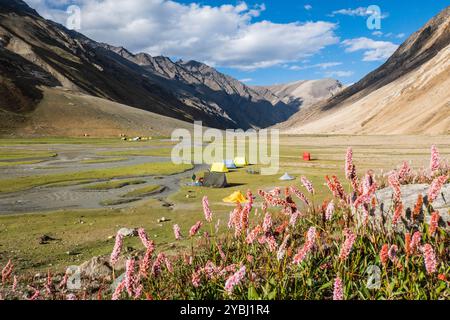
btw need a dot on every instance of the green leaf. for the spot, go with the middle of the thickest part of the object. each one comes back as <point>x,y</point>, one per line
<point>326,285</point>
<point>252,294</point>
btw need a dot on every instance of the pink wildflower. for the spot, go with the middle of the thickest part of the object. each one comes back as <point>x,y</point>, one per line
<point>299,195</point>
<point>434,223</point>
<point>395,185</point>
<point>169,265</point>
<point>231,219</point>
<point>430,258</point>
<point>222,254</point>
<point>64,280</point>
<point>271,243</point>
<point>436,187</point>
<point>404,172</point>
<point>244,221</point>
<point>435,159</point>
<point>267,225</point>
<point>156,267</point>
<point>35,295</point>
<point>196,278</point>
<point>117,248</point>
<point>338,292</point>
<point>49,283</point>
<point>347,246</point>
<point>118,291</point>
<point>397,214</point>
<point>235,280</point>
<point>144,264</point>
<point>408,244</point>
<point>308,185</point>
<point>415,241</point>
<point>71,297</point>
<point>331,186</point>
<point>384,254</point>
<point>6,271</point>
<point>177,232</point>
<point>195,228</point>
<point>349,169</point>
<point>250,199</point>
<point>339,188</point>
<point>15,282</point>
<point>206,209</point>
<point>251,237</point>
<point>210,270</point>
<point>392,253</point>
<point>143,236</point>
<point>282,249</point>
<point>294,217</point>
<point>307,247</point>
<point>368,183</point>
<point>129,276</point>
<point>329,211</point>
<point>138,291</point>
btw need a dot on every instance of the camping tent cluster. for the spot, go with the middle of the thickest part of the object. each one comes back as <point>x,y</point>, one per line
<point>226,165</point>
<point>216,177</point>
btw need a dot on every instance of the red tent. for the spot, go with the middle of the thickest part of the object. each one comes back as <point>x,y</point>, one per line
<point>307,156</point>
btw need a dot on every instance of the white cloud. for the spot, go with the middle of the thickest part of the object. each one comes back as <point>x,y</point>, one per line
<point>223,35</point>
<point>393,35</point>
<point>373,50</point>
<point>377,33</point>
<point>324,65</point>
<point>308,7</point>
<point>246,80</point>
<point>358,12</point>
<point>339,74</point>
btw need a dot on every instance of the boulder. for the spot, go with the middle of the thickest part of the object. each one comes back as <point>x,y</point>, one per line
<point>127,232</point>
<point>100,267</point>
<point>409,198</point>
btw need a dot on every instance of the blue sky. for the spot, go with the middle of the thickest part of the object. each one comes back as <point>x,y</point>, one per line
<point>259,42</point>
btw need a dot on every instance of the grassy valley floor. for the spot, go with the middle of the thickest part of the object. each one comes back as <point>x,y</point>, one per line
<point>81,233</point>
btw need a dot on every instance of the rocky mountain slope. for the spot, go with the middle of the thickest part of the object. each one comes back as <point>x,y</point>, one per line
<point>410,93</point>
<point>37,53</point>
<point>301,94</point>
<point>201,86</point>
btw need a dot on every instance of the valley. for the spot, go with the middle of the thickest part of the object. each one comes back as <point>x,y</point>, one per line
<point>71,209</point>
<point>88,180</point>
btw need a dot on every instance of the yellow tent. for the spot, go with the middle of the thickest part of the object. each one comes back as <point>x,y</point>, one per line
<point>219,167</point>
<point>235,197</point>
<point>240,162</point>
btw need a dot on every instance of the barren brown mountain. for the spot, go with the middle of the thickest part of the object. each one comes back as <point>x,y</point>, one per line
<point>301,94</point>
<point>408,94</point>
<point>42,59</point>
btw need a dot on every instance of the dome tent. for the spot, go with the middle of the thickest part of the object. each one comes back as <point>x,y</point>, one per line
<point>230,164</point>
<point>219,167</point>
<point>235,197</point>
<point>286,177</point>
<point>240,162</point>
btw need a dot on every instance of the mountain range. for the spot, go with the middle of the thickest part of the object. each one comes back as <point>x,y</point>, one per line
<point>409,94</point>
<point>55,81</point>
<point>49,76</point>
